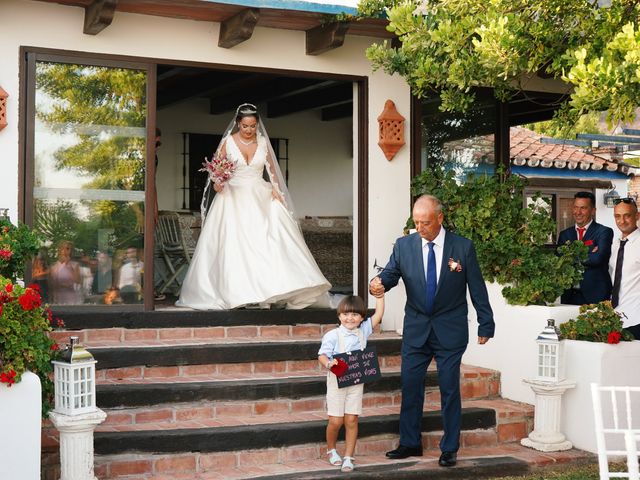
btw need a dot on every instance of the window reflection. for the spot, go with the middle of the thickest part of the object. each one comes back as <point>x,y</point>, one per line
<point>462,142</point>
<point>89,170</point>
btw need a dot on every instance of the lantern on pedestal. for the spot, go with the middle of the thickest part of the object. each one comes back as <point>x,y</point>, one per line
<point>549,354</point>
<point>75,414</point>
<point>548,386</point>
<point>390,130</point>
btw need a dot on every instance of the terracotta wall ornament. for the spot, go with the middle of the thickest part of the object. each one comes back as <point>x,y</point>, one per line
<point>3,108</point>
<point>390,130</point>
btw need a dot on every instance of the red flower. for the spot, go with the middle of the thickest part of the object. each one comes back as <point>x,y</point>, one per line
<point>613,337</point>
<point>34,286</point>
<point>9,287</point>
<point>59,322</point>
<point>5,253</point>
<point>30,300</point>
<point>340,369</point>
<point>55,347</point>
<point>8,377</point>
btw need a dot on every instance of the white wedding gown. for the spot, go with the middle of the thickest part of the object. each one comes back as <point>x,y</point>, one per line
<point>250,249</point>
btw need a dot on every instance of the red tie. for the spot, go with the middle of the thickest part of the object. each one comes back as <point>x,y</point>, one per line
<point>581,232</point>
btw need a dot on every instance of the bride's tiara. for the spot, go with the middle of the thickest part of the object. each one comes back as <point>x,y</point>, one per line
<point>246,108</point>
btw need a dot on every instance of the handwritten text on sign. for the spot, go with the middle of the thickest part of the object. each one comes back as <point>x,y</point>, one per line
<point>363,367</point>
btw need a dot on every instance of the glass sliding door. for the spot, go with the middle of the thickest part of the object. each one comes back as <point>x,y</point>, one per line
<point>89,141</point>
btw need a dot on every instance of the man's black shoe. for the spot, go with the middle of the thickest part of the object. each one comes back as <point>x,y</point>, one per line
<point>448,459</point>
<point>404,452</point>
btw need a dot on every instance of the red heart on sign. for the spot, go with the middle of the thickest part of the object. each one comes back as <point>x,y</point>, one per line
<point>340,368</point>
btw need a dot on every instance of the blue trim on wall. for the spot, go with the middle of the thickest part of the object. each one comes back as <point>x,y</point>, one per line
<point>332,9</point>
<point>565,173</point>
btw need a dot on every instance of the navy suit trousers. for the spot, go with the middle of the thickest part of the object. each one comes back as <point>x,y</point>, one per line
<point>415,361</point>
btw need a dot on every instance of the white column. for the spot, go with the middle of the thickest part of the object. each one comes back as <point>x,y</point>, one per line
<point>76,443</point>
<point>546,435</point>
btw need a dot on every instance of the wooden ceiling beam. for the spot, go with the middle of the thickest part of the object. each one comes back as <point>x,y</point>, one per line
<point>98,15</point>
<point>262,90</point>
<point>324,97</point>
<point>337,112</point>
<point>325,37</point>
<point>173,89</point>
<point>238,28</point>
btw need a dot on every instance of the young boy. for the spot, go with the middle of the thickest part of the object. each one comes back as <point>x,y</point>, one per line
<point>345,404</point>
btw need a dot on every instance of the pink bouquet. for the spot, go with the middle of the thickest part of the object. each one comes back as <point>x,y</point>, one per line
<point>219,168</point>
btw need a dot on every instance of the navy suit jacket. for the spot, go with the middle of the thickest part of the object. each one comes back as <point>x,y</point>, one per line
<point>596,282</point>
<point>449,319</point>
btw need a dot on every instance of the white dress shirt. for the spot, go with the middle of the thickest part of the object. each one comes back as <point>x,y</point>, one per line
<point>438,249</point>
<point>330,343</point>
<point>629,296</point>
<point>586,227</point>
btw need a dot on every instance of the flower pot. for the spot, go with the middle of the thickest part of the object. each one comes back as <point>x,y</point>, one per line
<point>607,365</point>
<point>21,406</point>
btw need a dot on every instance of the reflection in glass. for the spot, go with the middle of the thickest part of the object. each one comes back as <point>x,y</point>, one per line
<point>89,169</point>
<point>462,142</point>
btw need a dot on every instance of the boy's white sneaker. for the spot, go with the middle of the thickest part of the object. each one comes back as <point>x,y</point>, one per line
<point>334,458</point>
<point>347,465</point>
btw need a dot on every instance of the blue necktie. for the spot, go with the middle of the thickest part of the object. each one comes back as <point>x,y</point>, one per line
<point>432,280</point>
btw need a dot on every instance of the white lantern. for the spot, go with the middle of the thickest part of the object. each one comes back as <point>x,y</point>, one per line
<point>550,367</point>
<point>75,381</point>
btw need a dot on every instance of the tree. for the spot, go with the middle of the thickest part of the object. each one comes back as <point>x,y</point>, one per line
<point>450,47</point>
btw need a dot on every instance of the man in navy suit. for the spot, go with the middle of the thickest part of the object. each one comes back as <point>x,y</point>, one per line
<point>596,282</point>
<point>437,267</point>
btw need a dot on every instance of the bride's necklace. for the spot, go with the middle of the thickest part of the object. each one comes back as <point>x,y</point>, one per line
<point>246,144</point>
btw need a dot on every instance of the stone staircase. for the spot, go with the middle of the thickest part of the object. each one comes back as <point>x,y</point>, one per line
<point>240,394</point>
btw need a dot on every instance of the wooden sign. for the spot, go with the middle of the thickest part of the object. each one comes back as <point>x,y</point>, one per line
<point>363,367</point>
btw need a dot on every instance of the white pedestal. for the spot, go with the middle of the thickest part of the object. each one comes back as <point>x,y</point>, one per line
<point>546,436</point>
<point>76,443</point>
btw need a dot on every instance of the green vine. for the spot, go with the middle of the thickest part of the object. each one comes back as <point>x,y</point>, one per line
<point>511,239</point>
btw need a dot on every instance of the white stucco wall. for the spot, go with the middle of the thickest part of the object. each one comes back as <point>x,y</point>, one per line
<point>604,214</point>
<point>37,24</point>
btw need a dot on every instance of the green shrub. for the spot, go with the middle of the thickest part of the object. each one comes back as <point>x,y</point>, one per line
<point>511,238</point>
<point>597,322</point>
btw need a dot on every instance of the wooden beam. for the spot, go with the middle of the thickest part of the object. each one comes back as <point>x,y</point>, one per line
<point>324,97</point>
<point>194,83</point>
<point>237,29</point>
<point>336,112</point>
<point>325,37</point>
<point>264,89</point>
<point>98,15</point>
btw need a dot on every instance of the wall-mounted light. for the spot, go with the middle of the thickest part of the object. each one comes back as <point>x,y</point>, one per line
<point>390,130</point>
<point>3,108</point>
<point>610,197</point>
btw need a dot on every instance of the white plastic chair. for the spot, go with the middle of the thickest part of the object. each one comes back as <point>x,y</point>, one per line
<point>616,433</point>
<point>631,440</point>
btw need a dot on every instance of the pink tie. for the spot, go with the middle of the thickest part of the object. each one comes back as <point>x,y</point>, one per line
<point>581,232</point>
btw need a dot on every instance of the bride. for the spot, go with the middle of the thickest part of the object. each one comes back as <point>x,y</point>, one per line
<point>250,248</point>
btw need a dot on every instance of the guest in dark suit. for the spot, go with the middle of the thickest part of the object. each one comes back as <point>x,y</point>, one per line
<point>596,282</point>
<point>437,267</point>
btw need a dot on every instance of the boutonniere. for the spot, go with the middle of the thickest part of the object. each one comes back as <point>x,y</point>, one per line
<point>588,243</point>
<point>455,266</point>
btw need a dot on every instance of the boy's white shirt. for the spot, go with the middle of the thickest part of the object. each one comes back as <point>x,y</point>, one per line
<point>355,339</point>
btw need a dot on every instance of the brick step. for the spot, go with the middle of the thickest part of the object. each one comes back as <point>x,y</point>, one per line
<point>142,373</point>
<point>513,418</point>
<point>91,317</point>
<point>475,383</point>
<point>215,352</point>
<point>260,432</point>
<point>180,334</point>
<point>243,409</point>
<point>301,463</point>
